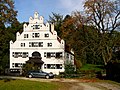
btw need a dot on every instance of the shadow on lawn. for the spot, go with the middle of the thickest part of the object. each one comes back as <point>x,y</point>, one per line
<point>7,79</point>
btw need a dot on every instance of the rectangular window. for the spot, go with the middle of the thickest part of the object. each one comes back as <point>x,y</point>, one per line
<point>45,66</point>
<point>48,66</point>
<point>18,64</point>
<point>72,57</point>
<point>58,54</point>
<point>25,54</point>
<point>30,44</point>
<point>40,44</point>
<point>22,44</point>
<point>53,66</point>
<point>58,66</point>
<point>20,54</point>
<point>35,44</point>
<point>49,44</point>
<point>37,26</point>
<point>67,55</point>
<point>25,35</point>
<point>52,54</point>
<point>16,55</point>
<point>46,35</point>
<point>45,54</point>
<point>13,65</point>
<point>13,54</point>
<point>35,35</point>
<point>48,55</point>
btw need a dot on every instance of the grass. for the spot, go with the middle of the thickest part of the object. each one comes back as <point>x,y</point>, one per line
<point>9,84</point>
<point>87,67</point>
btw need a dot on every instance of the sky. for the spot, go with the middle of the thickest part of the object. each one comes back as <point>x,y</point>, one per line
<point>26,8</point>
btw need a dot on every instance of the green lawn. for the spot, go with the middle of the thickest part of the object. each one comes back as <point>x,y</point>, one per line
<point>92,67</point>
<point>9,84</point>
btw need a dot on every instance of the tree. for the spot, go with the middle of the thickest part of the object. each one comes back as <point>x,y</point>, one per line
<point>57,19</point>
<point>7,17</point>
<point>7,12</point>
<point>69,68</point>
<point>104,14</point>
<point>7,34</point>
<point>83,39</point>
<point>106,17</point>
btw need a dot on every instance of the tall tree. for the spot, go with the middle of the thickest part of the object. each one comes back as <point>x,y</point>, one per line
<point>57,19</point>
<point>7,17</point>
<point>105,15</point>
<point>81,37</point>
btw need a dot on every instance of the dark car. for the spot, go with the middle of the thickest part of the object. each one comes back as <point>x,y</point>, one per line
<point>39,73</point>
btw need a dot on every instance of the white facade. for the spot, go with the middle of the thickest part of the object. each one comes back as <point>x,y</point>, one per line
<point>42,38</point>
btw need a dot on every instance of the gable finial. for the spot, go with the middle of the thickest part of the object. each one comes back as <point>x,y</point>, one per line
<point>36,15</point>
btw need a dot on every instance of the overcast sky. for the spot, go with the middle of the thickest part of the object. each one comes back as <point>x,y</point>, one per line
<point>26,8</point>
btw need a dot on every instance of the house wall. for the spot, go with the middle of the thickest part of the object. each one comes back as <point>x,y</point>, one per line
<point>40,37</point>
<point>69,58</point>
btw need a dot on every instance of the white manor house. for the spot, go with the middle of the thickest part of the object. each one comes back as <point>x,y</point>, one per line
<point>39,44</point>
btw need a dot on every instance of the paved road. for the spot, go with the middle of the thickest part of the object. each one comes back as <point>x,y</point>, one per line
<point>77,84</point>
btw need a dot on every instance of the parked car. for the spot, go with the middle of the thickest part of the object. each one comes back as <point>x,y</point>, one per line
<point>39,73</point>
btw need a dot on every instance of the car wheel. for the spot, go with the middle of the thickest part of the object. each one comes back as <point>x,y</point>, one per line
<point>30,76</point>
<point>47,77</point>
